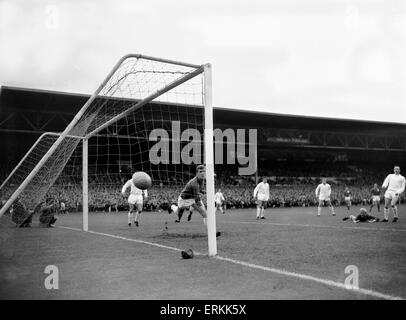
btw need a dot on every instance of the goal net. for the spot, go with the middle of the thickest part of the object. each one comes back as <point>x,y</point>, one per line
<point>149,114</point>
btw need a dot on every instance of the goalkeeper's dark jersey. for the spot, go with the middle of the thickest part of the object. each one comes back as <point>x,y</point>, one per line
<point>364,217</point>
<point>375,192</point>
<point>192,189</point>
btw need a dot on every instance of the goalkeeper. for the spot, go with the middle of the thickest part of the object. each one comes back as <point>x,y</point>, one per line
<point>363,216</point>
<point>190,195</point>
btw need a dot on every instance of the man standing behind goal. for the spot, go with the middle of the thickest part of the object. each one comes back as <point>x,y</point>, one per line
<point>323,192</point>
<point>395,185</point>
<point>135,200</point>
<point>261,194</point>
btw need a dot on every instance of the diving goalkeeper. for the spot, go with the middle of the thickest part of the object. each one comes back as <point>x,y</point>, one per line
<point>190,197</point>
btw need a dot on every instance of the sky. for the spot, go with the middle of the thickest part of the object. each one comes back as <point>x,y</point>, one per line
<point>325,58</point>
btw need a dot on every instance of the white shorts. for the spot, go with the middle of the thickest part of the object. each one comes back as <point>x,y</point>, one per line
<point>135,199</point>
<point>391,195</point>
<point>324,198</point>
<point>347,198</point>
<point>185,203</point>
<point>262,197</point>
<point>218,203</point>
<point>376,198</point>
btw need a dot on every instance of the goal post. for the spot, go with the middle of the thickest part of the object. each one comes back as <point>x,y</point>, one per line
<point>209,159</point>
<point>124,100</point>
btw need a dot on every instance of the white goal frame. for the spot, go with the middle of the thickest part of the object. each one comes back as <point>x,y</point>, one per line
<point>208,139</point>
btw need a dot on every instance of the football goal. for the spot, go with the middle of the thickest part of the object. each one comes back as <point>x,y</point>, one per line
<point>149,114</point>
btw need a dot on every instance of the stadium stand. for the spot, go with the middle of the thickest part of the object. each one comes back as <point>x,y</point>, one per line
<point>293,151</point>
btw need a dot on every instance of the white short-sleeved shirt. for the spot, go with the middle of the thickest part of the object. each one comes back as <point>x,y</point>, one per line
<point>323,191</point>
<point>261,191</point>
<point>395,183</point>
<point>218,197</point>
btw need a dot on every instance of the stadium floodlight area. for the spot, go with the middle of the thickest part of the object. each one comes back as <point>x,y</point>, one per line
<point>113,130</point>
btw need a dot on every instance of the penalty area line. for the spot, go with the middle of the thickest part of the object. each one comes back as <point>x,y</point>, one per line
<point>253,266</point>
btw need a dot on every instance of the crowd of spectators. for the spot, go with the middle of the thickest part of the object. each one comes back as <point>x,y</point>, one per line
<point>287,189</point>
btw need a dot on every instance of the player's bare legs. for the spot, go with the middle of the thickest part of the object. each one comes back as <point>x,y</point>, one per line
<point>260,210</point>
<point>377,204</point>
<point>395,208</point>
<point>332,208</point>
<point>202,210</point>
<point>131,215</point>
<point>388,202</point>
<point>180,214</point>
<point>219,207</point>
<point>328,202</point>
<point>348,204</point>
<point>189,217</point>
<point>137,213</point>
<point>392,203</point>
<point>319,207</point>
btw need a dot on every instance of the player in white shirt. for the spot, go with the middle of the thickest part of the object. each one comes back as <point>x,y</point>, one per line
<point>323,192</point>
<point>135,200</point>
<point>218,199</point>
<point>261,194</point>
<point>394,185</point>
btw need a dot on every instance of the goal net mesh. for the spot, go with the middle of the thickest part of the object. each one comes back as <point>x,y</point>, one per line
<point>140,96</point>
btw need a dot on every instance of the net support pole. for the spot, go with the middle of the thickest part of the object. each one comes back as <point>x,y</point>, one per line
<point>209,159</point>
<point>85,185</point>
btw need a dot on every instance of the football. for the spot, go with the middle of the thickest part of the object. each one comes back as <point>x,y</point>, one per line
<point>187,254</point>
<point>142,180</point>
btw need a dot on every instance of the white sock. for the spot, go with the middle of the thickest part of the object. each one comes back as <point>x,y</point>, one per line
<point>136,216</point>
<point>262,212</point>
<point>318,211</point>
<point>130,217</point>
<point>332,210</point>
<point>395,212</point>
<point>385,213</point>
<point>205,221</point>
<point>258,211</point>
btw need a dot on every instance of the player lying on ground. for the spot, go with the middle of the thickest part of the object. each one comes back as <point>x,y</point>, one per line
<point>395,185</point>
<point>219,201</point>
<point>135,201</point>
<point>174,209</point>
<point>261,194</point>
<point>375,197</point>
<point>363,216</point>
<point>323,192</point>
<point>23,217</point>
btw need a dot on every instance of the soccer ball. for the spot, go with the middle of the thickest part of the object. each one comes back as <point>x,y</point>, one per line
<point>142,180</point>
<point>187,254</point>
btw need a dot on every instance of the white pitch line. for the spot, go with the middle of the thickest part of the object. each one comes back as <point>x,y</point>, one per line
<point>312,226</point>
<point>255,266</point>
<point>311,278</point>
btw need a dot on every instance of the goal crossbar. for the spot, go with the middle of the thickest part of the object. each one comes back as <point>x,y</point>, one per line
<point>89,120</point>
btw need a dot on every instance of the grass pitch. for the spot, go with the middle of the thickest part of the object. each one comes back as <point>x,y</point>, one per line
<point>291,255</point>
